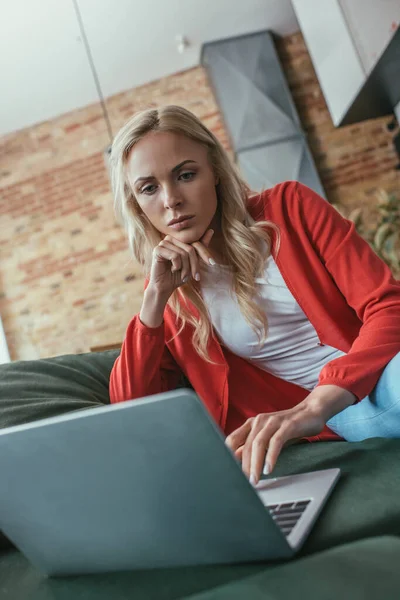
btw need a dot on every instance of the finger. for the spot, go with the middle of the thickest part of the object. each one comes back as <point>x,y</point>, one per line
<point>277,441</point>
<point>206,238</point>
<point>238,453</point>
<point>194,263</point>
<point>181,262</point>
<point>201,250</point>
<point>268,425</point>
<point>185,273</point>
<point>204,253</point>
<point>166,254</point>
<point>170,253</point>
<point>258,423</point>
<point>258,452</point>
<point>190,253</point>
<point>238,437</point>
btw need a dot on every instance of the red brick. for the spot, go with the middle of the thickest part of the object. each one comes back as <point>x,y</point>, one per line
<point>93,120</point>
<point>79,302</point>
<point>72,127</point>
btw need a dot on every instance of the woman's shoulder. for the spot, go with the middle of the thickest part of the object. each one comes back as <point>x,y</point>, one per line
<point>260,203</point>
<point>287,197</point>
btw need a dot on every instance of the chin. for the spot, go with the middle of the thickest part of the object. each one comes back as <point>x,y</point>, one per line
<point>187,236</point>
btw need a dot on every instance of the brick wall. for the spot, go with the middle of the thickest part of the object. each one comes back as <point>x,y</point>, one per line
<point>67,281</point>
<point>354,161</point>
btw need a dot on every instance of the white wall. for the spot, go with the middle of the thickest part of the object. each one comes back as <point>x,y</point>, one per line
<point>372,24</point>
<point>345,39</point>
<point>336,62</point>
<point>43,62</point>
<point>4,354</point>
<point>397,112</point>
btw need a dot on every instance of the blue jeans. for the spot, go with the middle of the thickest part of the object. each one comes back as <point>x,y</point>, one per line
<point>377,415</point>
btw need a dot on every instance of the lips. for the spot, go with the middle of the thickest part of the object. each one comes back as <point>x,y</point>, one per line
<point>180,219</point>
<point>182,224</point>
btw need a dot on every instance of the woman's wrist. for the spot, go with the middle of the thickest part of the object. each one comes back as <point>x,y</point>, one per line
<point>329,400</point>
<point>153,307</point>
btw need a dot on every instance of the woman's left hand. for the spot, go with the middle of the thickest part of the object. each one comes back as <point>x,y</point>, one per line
<point>260,439</point>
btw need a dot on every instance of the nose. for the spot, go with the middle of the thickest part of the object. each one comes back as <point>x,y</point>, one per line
<point>172,198</point>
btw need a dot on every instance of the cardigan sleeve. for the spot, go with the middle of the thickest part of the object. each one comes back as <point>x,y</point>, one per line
<point>369,288</point>
<point>145,366</point>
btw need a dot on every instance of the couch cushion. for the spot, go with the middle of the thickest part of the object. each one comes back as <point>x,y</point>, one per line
<point>363,570</point>
<point>36,389</point>
<point>365,502</point>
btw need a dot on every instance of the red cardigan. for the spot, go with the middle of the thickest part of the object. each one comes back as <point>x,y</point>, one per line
<point>346,291</point>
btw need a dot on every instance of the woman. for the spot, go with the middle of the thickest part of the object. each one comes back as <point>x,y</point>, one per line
<point>281,317</point>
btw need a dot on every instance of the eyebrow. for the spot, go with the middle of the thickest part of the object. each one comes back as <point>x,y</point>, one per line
<point>176,168</point>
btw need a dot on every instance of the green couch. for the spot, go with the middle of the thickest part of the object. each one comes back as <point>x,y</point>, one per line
<point>353,551</point>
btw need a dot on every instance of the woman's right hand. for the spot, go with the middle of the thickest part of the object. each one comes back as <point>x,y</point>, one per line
<point>175,262</point>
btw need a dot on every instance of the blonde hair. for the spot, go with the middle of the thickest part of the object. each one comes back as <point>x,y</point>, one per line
<point>242,235</point>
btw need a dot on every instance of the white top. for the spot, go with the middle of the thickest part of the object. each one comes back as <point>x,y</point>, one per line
<point>291,350</point>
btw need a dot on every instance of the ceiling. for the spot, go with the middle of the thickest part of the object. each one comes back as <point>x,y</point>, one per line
<point>45,69</point>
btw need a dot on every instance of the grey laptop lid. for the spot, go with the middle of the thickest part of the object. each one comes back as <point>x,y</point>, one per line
<point>141,484</point>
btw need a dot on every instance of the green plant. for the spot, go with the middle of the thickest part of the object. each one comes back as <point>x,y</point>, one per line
<point>384,235</point>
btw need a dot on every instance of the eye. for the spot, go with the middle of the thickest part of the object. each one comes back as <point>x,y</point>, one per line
<point>187,175</point>
<point>148,189</point>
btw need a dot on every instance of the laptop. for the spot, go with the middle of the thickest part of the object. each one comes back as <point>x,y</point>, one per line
<point>145,484</point>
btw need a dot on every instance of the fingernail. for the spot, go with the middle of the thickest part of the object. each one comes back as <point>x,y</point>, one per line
<point>252,479</point>
<point>197,277</point>
<point>266,469</point>
<point>185,279</point>
<point>212,262</point>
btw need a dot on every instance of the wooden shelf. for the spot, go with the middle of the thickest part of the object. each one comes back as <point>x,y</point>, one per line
<point>116,346</point>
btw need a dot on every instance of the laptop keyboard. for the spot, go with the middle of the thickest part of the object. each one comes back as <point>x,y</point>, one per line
<point>286,515</point>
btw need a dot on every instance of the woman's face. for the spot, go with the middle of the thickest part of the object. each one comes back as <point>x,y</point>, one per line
<point>171,178</point>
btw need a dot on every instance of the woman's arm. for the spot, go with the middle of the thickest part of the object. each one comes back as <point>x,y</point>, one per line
<point>145,366</point>
<point>259,441</point>
<point>369,288</point>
